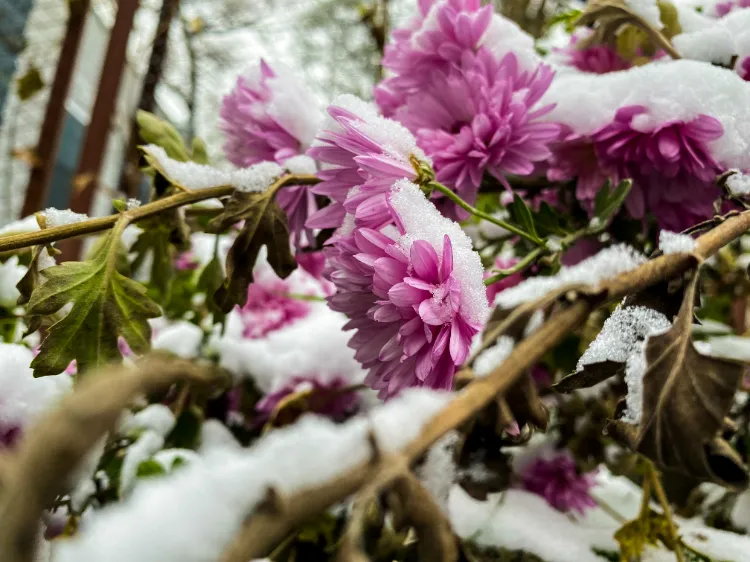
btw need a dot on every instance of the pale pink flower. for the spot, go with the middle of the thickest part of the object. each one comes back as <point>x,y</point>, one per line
<point>270,307</point>
<point>558,481</point>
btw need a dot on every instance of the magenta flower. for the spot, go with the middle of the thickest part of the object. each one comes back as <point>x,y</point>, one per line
<point>269,307</point>
<point>333,398</point>
<point>557,480</point>
<point>507,283</point>
<point>312,262</point>
<point>272,116</point>
<point>743,69</point>
<point>670,165</point>
<point>186,261</point>
<point>482,117</point>
<point>415,303</point>
<point>366,151</point>
<point>598,59</point>
<point>723,8</point>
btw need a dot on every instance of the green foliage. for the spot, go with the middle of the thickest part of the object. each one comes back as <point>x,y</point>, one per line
<point>200,153</point>
<point>521,215</point>
<point>265,225</point>
<point>568,18</point>
<point>155,131</point>
<point>186,432</point>
<point>30,83</point>
<point>154,242</point>
<point>210,280</point>
<point>105,305</point>
<point>608,202</point>
<point>150,468</point>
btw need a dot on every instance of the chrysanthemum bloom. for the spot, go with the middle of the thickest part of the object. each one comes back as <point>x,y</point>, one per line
<point>270,307</point>
<point>598,59</point>
<point>557,480</point>
<point>670,164</point>
<point>482,117</point>
<point>438,38</point>
<point>510,281</point>
<point>331,398</point>
<point>415,299</point>
<point>364,151</point>
<point>271,115</point>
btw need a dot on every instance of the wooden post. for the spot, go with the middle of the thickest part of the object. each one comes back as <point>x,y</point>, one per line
<point>49,136</point>
<point>130,177</point>
<point>86,179</point>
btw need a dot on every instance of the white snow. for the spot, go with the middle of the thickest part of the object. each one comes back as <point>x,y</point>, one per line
<point>739,184</point>
<point>504,36</point>
<point>155,417</point>
<point>146,446</point>
<point>132,203</point>
<point>180,337</point>
<point>608,263</point>
<point>676,243</point>
<point>10,274</point>
<point>215,435</point>
<point>422,221</point>
<point>192,175</point>
<point>736,348</point>
<point>192,514</point>
<point>648,10</point>
<point>622,339</point>
<point>59,217</point>
<point>671,90</point>
<point>26,224</point>
<point>740,513</point>
<point>713,44</point>
<point>439,470</point>
<point>493,357</point>
<point>301,165</point>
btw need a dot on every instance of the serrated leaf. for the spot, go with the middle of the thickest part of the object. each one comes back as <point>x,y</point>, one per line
<point>200,152</point>
<point>686,397</point>
<point>521,215</point>
<point>265,225</point>
<point>161,133</point>
<point>105,305</point>
<point>30,83</point>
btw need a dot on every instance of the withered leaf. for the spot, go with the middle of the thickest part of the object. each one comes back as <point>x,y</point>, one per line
<point>591,374</point>
<point>30,281</point>
<point>265,225</point>
<point>686,397</point>
<point>649,530</point>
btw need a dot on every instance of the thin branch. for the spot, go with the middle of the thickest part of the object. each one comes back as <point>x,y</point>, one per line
<point>48,457</point>
<point>263,531</point>
<point>49,235</point>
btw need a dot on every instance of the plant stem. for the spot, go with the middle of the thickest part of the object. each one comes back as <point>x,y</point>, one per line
<point>526,261</point>
<point>653,477</point>
<point>91,226</point>
<point>482,215</point>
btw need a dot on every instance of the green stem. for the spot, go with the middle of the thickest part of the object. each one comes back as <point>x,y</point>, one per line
<point>482,215</point>
<point>91,226</point>
<point>526,261</point>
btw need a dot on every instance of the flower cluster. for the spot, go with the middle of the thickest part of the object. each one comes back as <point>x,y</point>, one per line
<point>558,481</point>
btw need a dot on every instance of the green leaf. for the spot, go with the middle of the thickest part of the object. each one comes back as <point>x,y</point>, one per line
<point>549,222</point>
<point>569,18</point>
<point>265,225</point>
<point>211,278</point>
<point>186,432</point>
<point>154,242</point>
<point>200,153</point>
<point>521,215</point>
<point>607,203</point>
<point>30,83</point>
<point>155,131</point>
<point>120,205</point>
<point>150,468</point>
<point>105,305</point>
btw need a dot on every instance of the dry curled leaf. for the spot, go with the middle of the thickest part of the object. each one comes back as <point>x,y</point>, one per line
<point>265,225</point>
<point>686,397</point>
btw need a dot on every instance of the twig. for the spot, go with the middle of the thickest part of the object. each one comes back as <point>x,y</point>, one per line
<point>262,532</point>
<point>51,452</point>
<point>49,235</point>
<point>653,477</point>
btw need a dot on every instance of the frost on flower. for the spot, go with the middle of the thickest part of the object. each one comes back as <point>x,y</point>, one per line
<point>269,115</point>
<point>675,243</point>
<point>23,397</point>
<point>415,300</point>
<point>607,263</point>
<point>672,127</point>
<point>623,339</point>
<point>739,184</point>
<point>366,151</point>
<point>50,218</point>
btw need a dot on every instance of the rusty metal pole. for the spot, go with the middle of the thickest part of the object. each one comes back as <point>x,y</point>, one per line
<point>45,154</point>
<point>130,176</point>
<point>86,179</point>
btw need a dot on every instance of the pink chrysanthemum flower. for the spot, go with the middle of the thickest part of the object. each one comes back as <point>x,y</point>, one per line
<point>598,59</point>
<point>671,166</point>
<point>364,151</point>
<point>557,480</point>
<point>272,116</point>
<point>415,299</point>
<point>270,307</point>
<point>331,398</point>
<point>482,117</point>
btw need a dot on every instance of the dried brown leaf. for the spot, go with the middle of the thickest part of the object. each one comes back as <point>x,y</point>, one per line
<point>686,397</point>
<point>591,374</point>
<point>265,225</point>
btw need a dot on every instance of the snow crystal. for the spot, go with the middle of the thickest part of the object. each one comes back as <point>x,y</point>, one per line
<point>27,224</point>
<point>671,90</point>
<point>10,274</point>
<point>504,36</point>
<point>56,217</point>
<point>438,472</point>
<point>675,243</point>
<point>215,435</point>
<point>606,264</point>
<point>740,513</point>
<point>301,165</point>
<point>192,175</point>
<point>181,338</point>
<point>648,10</point>
<point>293,105</point>
<point>735,348</point>
<point>132,203</point>
<point>739,184</point>
<point>193,514</point>
<point>147,445</point>
<point>492,357</point>
<point>155,417</point>
<point>422,221</point>
<point>713,44</point>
